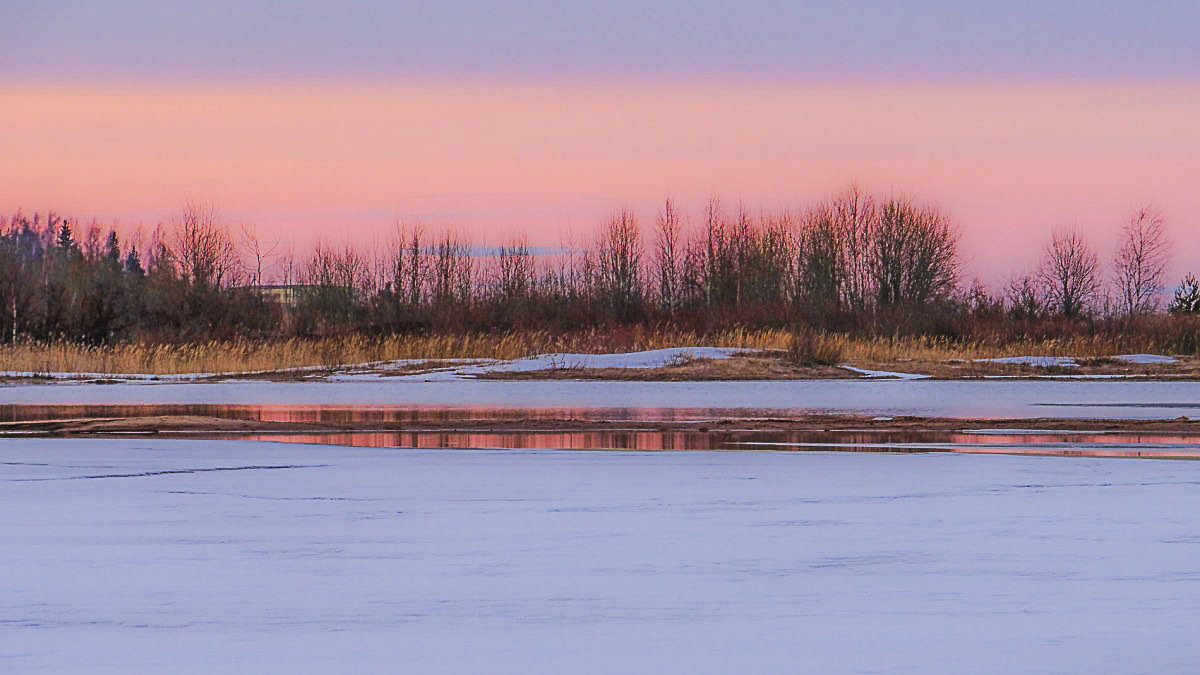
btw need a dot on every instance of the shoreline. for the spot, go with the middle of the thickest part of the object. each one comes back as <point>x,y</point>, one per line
<point>676,364</point>
<point>200,424</point>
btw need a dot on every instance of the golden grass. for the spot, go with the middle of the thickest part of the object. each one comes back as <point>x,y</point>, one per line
<point>891,350</point>
<point>245,355</point>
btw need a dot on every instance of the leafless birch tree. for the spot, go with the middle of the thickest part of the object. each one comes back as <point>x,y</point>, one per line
<point>618,261</point>
<point>853,213</point>
<point>1140,262</point>
<point>914,254</point>
<point>258,252</point>
<point>1070,273</point>
<point>667,254</point>
<point>203,249</point>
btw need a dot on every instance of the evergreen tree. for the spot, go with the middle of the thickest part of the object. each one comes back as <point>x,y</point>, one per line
<point>1187,297</point>
<point>133,264</point>
<point>112,251</point>
<point>66,239</point>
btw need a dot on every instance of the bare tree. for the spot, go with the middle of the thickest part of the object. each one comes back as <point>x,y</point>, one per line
<point>417,264</point>
<point>203,249</point>
<point>714,258</point>
<point>403,264</point>
<point>516,272</point>
<point>667,254</point>
<point>258,252</point>
<point>1141,262</point>
<point>618,265</point>
<point>1024,296</point>
<point>768,263</point>
<point>820,268</point>
<point>914,254</point>
<point>854,215</point>
<point>1069,274</point>
<point>331,296</point>
<point>451,271</point>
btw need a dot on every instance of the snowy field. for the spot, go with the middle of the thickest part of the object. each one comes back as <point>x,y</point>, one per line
<point>191,556</point>
<point>1128,399</point>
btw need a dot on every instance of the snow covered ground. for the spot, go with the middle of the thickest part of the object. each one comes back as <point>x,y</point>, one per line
<point>191,556</point>
<point>654,358</point>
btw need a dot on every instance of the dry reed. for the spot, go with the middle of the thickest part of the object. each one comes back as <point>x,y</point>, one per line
<point>246,355</point>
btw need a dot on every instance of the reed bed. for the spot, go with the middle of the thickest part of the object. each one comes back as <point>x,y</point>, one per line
<point>333,352</point>
<point>271,355</point>
<point>900,349</point>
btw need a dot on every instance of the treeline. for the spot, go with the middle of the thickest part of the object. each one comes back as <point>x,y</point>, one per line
<point>856,263</point>
<point>62,281</point>
<point>843,264</point>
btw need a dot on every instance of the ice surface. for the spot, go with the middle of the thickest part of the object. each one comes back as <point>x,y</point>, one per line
<point>1125,399</point>
<point>190,556</point>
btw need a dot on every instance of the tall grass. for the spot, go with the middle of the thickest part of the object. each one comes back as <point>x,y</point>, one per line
<point>280,354</point>
<point>246,355</point>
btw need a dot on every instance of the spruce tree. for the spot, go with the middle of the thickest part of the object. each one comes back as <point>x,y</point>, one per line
<point>1187,297</point>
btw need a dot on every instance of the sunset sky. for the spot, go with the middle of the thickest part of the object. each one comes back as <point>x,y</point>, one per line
<point>316,120</point>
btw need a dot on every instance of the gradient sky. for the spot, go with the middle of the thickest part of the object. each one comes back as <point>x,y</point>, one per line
<point>331,120</point>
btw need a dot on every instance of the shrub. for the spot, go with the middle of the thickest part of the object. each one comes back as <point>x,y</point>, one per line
<point>808,348</point>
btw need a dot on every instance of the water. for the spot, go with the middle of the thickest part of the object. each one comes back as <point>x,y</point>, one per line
<point>384,426</point>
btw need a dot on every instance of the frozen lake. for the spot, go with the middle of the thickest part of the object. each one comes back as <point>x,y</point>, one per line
<point>149,555</point>
<point>1129,399</point>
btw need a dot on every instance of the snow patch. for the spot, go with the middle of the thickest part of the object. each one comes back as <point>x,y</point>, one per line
<point>882,374</point>
<point>461,368</point>
<point>1145,358</point>
<point>1036,361</point>
<point>654,358</point>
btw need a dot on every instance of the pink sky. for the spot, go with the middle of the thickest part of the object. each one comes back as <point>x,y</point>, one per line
<point>342,162</point>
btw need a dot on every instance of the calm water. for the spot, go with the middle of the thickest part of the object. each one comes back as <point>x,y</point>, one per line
<point>366,415</point>
<point>713,429</point>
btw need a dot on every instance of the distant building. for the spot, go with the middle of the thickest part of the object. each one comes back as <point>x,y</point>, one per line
<point>287,295</point>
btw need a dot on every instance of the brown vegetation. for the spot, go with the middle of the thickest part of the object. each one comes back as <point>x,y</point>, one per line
<point>859,279</point>
<point>803,354</point>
